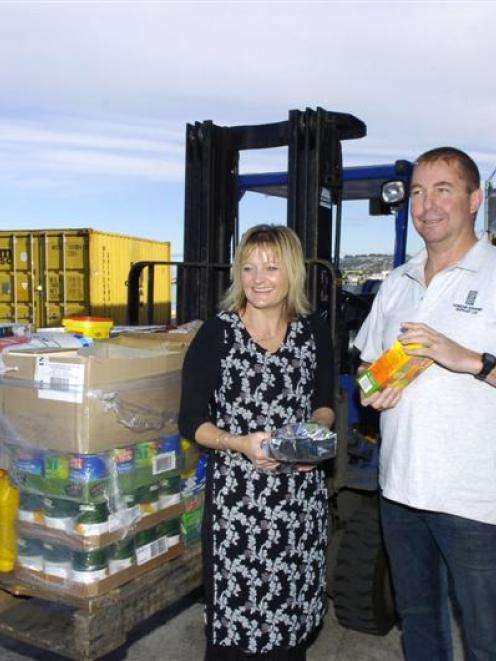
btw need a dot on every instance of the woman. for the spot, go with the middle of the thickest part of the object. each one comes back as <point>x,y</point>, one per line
<point>259,364</point>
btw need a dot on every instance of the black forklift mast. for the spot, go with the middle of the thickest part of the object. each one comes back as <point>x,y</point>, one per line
<point>313,138</point>
<point>358,578</point>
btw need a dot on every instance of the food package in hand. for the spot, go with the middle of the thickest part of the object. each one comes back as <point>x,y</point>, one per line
<point>394,369</point>
<point>302,442</point>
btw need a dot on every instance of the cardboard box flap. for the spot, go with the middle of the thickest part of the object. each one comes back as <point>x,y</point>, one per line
<point>93,367</point>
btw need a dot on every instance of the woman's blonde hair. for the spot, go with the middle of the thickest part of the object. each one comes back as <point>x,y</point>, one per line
<point>285,246</point>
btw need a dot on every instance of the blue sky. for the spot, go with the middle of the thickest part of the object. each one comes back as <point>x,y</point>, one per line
<point>96,97</point>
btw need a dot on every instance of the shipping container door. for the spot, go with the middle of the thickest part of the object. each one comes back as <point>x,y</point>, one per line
<point>65,275</point>
<point>19,268</point>
<point>43,276</point>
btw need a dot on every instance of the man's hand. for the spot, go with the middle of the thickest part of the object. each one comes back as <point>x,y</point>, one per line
<point>441,349</point>
<point>383,400</point>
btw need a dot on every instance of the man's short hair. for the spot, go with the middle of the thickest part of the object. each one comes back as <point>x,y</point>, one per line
<point>466,166</point>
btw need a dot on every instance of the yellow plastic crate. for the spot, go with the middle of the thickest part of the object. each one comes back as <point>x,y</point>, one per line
<point>98,328</point>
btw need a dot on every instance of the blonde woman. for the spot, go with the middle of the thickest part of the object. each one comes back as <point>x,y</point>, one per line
<point>259,364</point>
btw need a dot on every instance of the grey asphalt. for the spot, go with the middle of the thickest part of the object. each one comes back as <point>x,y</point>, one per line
<point>180,638</point>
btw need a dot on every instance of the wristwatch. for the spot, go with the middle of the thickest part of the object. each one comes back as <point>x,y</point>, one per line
<point>488,364</point>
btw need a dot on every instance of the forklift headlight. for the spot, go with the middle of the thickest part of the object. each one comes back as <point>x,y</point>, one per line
<point>393,192</point>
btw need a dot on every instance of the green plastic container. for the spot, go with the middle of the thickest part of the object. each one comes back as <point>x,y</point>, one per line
<point>144,545</point>
<point>169,492</point>
<point>30,553</point>
<point>92,519</point>
<point>30,508</point>
<point>147,498</point>
<point>125,466</point>
<point>59,513</point>
<point>121,556</point>
<point>89,566</point>
<point>191,524</point>
<point>56,466</point>
<point>57,560</point>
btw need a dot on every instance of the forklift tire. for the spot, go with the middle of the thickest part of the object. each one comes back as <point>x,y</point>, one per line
<point>362,590</point>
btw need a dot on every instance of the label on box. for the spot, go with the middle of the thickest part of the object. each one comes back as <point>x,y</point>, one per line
<point>173,540</point>
<point>60,381</point>
<point>165,461</point>
<point>152,550</point>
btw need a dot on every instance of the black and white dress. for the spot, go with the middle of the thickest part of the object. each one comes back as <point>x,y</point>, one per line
<point>264,534</point>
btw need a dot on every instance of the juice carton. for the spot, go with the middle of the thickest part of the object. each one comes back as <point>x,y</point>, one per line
<point>394,368</point>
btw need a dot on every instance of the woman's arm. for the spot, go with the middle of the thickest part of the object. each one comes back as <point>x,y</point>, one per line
<point>200,376</point>
<point>323,391</point>
<point>250,445</point>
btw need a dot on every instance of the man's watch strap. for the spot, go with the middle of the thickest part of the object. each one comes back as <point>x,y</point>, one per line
<point>488,364</point>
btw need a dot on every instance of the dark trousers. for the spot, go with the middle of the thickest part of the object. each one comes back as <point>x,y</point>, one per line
<point>430,552</point>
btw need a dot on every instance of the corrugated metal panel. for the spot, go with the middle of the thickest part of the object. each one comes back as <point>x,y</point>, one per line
<point>48,274</point>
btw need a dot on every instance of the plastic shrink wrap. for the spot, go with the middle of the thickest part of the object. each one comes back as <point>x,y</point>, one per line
<point>302,442</point>
<point>92,445</point>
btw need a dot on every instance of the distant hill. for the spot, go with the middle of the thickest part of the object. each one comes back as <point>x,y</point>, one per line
<point>364,266</point>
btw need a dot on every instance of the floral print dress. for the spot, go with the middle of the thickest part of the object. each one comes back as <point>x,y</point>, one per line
<point>264,534</point>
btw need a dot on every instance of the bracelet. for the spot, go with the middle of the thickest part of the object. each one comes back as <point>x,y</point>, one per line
<point>220,437</point>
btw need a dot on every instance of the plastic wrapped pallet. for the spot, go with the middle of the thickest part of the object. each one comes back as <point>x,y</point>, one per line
<point>92,443</point>
<point>88,523</point>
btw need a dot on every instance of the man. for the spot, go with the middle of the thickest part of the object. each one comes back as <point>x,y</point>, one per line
<point>438,448</point>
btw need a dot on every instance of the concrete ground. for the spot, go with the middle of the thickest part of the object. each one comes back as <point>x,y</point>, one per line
<point>178,636</point>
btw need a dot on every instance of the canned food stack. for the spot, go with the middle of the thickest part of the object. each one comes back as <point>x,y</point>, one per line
<point>85,572</point>
<point>85,518</point>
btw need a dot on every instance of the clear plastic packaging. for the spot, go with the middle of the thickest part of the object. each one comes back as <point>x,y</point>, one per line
<point>90,400</point>
<point>302,442</point>
<point>87,523</point>
<point>91,442</point>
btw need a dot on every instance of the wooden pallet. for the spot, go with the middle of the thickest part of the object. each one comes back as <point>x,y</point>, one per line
<point>87,629</point>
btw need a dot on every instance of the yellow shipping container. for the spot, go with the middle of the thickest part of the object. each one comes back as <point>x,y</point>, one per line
<point>46,275</point>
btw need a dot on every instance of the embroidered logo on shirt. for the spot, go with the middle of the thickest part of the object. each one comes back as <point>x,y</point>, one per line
<point>468,306</point>
<point>471,296</point>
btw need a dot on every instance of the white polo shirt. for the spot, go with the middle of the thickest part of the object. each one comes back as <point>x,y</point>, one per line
<point>438,445</point>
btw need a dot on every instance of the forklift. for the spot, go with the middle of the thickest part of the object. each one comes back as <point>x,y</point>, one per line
<point>315,186</point>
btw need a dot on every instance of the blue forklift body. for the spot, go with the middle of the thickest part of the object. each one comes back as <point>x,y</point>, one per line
<point>359,183</point>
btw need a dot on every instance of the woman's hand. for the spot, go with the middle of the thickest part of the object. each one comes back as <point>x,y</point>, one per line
<point>251,446</point>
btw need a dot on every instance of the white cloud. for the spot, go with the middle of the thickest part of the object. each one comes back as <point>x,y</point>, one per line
<point>103,90</point>
<point>83,147</point>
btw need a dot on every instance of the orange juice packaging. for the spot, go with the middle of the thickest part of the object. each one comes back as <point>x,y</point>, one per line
<point>394,368</point>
